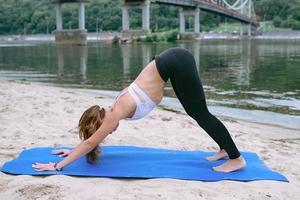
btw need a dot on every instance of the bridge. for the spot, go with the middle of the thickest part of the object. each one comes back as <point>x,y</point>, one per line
<point>241,10</point>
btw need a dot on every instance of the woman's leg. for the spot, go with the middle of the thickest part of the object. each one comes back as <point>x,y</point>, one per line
<point>180,66</point>
<point>189,90</point>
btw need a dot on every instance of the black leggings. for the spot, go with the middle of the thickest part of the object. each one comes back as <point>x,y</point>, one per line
<point>178,65</point>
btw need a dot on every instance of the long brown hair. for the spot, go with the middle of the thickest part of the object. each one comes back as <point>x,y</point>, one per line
<point>88,124</point>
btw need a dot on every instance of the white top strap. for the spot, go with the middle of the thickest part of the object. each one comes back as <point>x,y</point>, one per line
<point>133,94</point>
<point>121,94</point>
<point>141,93</point>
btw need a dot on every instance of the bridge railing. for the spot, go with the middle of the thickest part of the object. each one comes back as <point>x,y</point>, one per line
<point>240,7</point>
<point>219,5</point>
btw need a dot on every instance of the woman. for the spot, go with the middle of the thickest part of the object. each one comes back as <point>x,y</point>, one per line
<point>136,101</point>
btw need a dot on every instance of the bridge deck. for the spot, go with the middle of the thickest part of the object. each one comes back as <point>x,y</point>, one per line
<point>206,5</point>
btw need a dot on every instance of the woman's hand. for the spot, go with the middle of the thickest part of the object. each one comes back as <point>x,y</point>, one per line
<point>61,152</point>
<point>44,167</point>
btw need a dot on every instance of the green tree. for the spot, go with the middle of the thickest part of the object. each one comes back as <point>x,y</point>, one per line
<point>38,16</point>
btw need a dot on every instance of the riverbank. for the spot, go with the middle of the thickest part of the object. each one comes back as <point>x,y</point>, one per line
<point>284,35</point>
<point>250,115</point>
<point>109,36</point>
<point>34,115</point>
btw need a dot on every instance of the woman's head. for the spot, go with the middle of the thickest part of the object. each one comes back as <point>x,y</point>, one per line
<point>89,122</point>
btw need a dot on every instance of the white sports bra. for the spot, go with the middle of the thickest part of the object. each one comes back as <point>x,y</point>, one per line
<point>144,104</point>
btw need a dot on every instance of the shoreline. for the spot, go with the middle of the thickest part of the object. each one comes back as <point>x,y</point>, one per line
<point>35,115</point>
<point>109,36</point>
<point>254,116</point>
<point>172,104</point>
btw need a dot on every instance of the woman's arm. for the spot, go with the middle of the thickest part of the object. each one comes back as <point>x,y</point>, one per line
<point>106,128</point>
<point>109,124</point>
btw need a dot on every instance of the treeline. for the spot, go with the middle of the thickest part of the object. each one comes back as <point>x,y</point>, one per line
<point>283,13</point>
<point>38,16</point>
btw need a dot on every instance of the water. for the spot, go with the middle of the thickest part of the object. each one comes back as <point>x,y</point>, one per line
<point>252,80</point>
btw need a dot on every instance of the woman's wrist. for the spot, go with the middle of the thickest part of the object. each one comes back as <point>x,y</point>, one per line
<point>56,167</point>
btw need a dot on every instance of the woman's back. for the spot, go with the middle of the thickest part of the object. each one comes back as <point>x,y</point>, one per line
<point>151,83</point>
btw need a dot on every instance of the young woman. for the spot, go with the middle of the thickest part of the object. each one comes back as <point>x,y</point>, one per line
<point>140,97</point>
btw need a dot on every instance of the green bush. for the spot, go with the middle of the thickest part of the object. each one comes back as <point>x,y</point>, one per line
<point>147,38</point>
<point>295,13</point>
<point>115,40</point>
<point>154,38</point>
<point>295,25</point>
<point>171,36</point>
<point>277,21</point>
<point>284,24</point>
<point>168,36</point>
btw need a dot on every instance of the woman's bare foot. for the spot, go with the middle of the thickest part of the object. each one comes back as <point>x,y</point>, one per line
<point>231,165</point>
<point>221,154</point>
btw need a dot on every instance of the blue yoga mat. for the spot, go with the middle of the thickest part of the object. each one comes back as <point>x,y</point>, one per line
<point>140,162</point>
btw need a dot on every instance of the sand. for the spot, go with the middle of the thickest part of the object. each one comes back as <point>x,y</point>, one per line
<point>35,115</point>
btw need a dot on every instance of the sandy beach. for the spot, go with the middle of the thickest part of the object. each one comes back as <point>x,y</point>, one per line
<point>35,115</point>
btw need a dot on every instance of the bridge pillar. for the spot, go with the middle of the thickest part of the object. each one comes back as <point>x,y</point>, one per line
<point>249,30</point>
<point>246,10</point>
<point>241,24</point>
<point>249,15</point>
<point>81,16</point>
<point>71,36</point>
<point>241,29</point>
<point>58,16</point>
<point>197,21</point>
<point>181,21</point>
<point>189,12</point>
<point>146,15</point>
<point>144,5</point>
<point>125,18</point>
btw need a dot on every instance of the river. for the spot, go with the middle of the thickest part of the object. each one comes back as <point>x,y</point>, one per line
<point>253,80</point>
